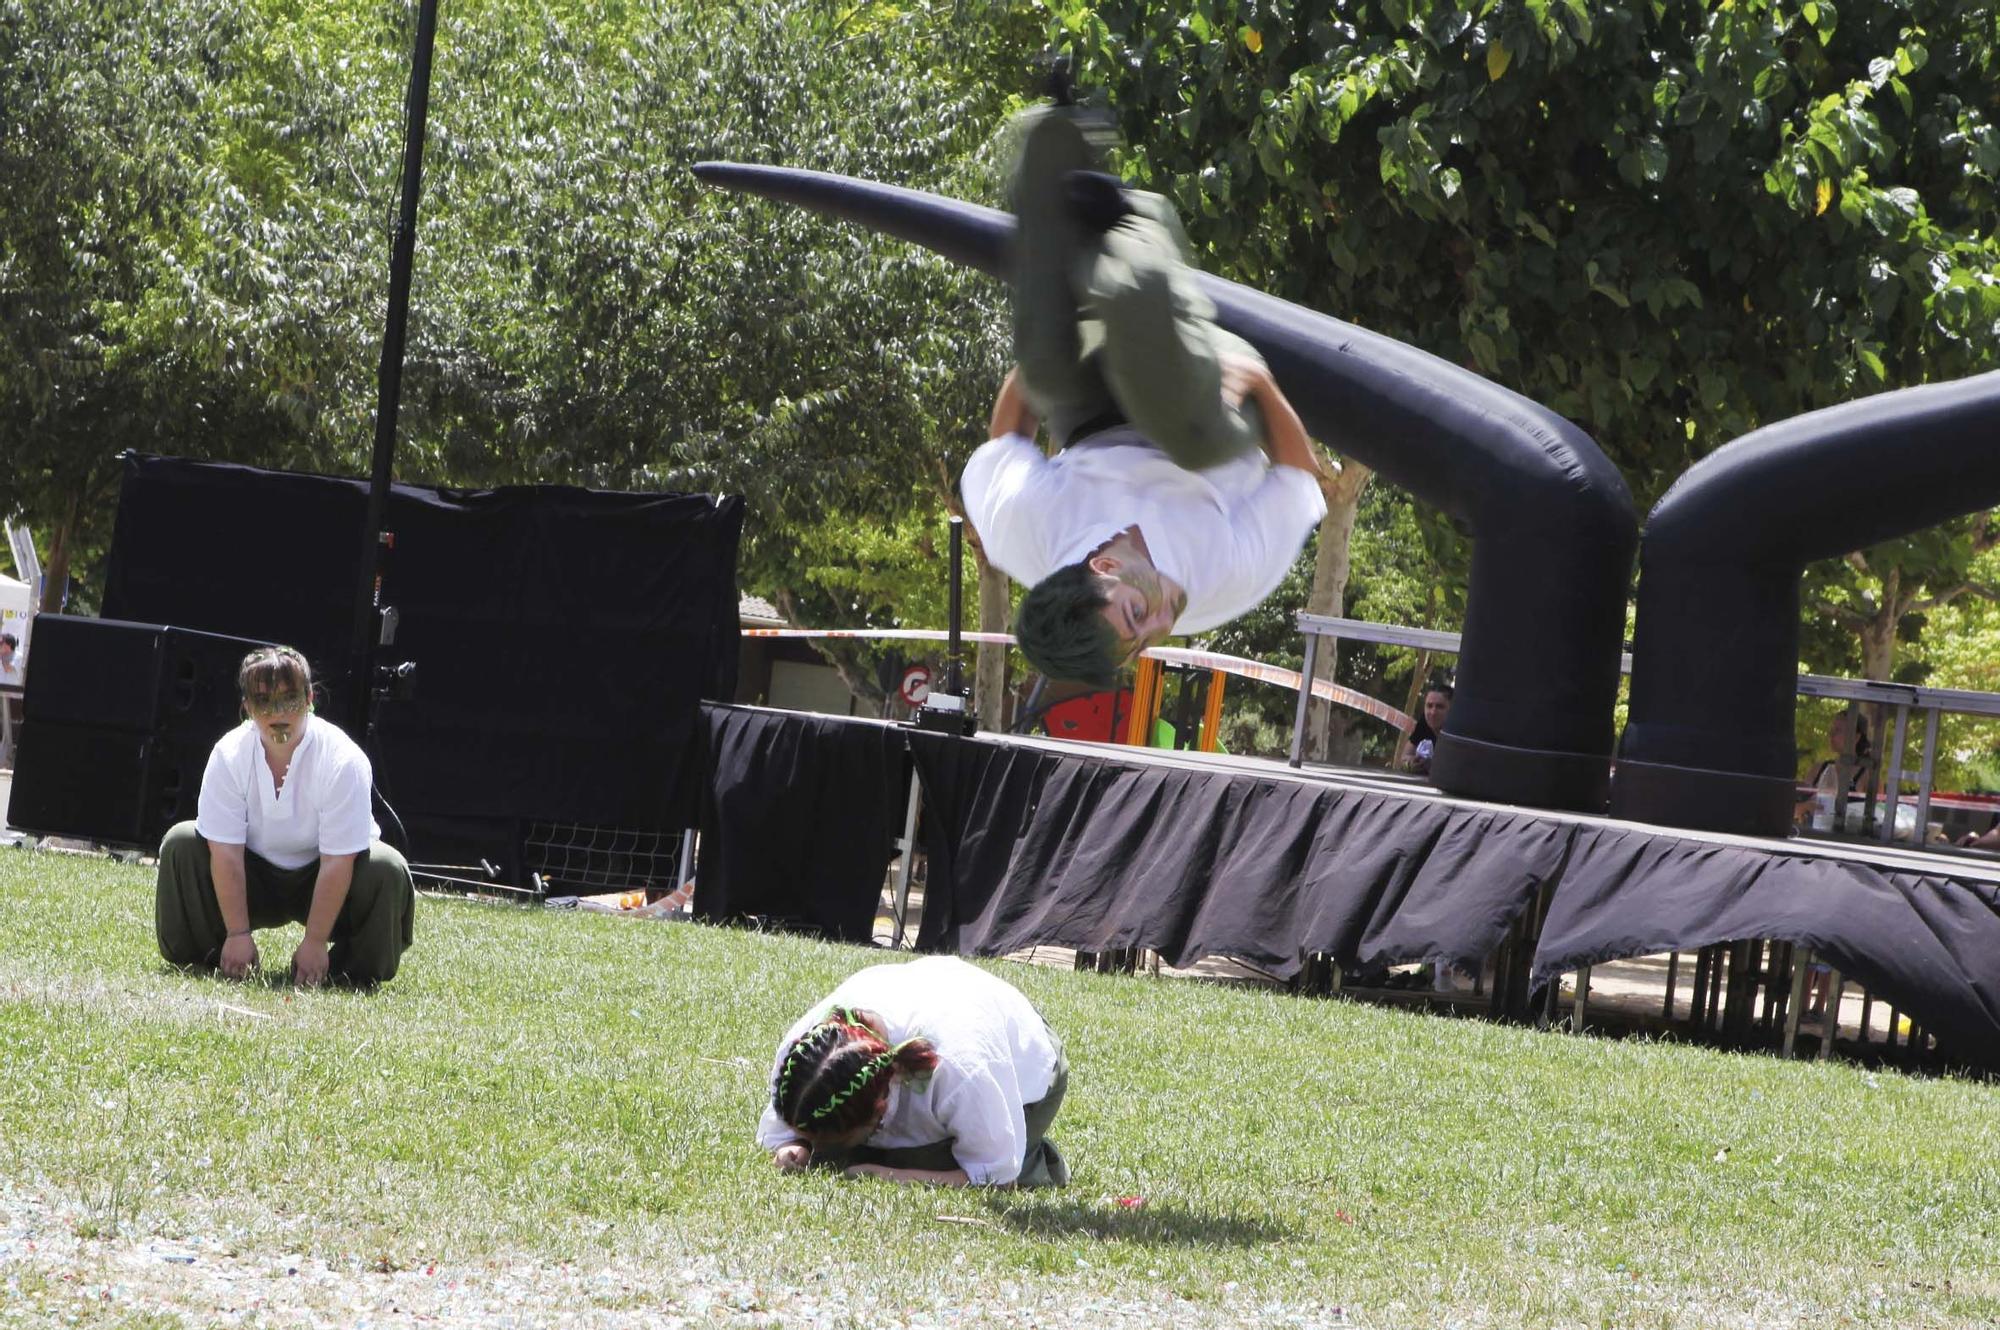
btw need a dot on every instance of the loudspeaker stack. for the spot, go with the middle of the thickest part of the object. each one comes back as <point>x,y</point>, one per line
<point>118,720</point>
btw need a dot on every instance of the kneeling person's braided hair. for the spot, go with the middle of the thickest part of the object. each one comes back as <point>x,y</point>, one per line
<point>835,1076</point>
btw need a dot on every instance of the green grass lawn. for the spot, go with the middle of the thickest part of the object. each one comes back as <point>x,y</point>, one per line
<point>564,1103</point>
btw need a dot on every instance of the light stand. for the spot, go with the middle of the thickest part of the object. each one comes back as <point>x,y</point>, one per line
<point>364,688</point>
<point>947,709</point>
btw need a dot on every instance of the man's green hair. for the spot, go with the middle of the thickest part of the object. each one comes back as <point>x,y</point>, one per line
<point>1061,628</point>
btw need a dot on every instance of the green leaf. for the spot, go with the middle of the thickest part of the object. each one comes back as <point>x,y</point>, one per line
<point>1579,12</point>
<point>1653,158</point>
<point>1903,98</point>
<point>1485,354</point>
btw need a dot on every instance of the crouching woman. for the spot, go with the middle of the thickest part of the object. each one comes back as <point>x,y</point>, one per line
<point>284,835</point>
<point>931,1071</point>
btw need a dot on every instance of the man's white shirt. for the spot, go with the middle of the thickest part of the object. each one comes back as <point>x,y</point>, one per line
<point>1227,534</point>
<point>321,809</point>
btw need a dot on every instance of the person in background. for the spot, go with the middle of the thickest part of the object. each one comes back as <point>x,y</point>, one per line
<point>13,675</point>
<point>1848,737</point>
<point>283,834</point>
<point>1981,840</point>
<point>1415,753</point>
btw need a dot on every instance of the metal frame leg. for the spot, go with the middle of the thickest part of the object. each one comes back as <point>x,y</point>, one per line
<point>903,864</point>
<point>1893,794</point>
<point>684,869</point>
<point>1801,963</point>
<point>1305,698</point>
<point>1921,836</point>
<point>1713,1013</point>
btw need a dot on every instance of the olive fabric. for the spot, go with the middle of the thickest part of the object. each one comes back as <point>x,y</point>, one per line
<point>373,930</point>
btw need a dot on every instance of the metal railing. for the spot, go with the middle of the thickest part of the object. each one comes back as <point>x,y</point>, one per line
<point>1904,698</point>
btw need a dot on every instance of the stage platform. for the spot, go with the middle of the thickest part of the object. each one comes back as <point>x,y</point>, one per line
<point>1316,875</point>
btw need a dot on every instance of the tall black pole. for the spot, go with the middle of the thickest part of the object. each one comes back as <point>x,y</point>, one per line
<point>954,655</point>
<point>389,395</point>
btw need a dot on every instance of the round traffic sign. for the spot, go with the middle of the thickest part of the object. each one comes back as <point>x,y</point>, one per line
<point>916,685</point>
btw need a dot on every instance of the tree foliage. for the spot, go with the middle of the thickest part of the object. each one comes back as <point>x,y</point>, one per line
<point>194,233</point>
<point>1671,222</point>
<point>176,273</point>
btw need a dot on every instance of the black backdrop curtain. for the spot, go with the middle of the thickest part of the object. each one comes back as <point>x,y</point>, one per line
<point>1042,844</point>
<point>1920,938</point>
<point>1030,846</point>
<point>564,637</point>
<point>799,819</point>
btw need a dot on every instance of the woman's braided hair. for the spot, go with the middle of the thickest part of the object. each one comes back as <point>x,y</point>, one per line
<point>836,1076</point>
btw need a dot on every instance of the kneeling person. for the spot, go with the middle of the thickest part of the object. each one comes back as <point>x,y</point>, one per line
<point>931,1071</point>
<point>283,834</point>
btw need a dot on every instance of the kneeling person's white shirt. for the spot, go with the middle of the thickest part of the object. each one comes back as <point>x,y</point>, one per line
<point>995,1057</point>
<point>1227,534</point>
<point>322,809</point>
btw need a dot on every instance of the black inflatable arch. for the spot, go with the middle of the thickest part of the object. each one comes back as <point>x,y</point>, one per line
<point>1710,741</point>
<point>1552,523</point>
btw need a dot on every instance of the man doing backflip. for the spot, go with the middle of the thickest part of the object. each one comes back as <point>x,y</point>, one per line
<point>1185,484</point>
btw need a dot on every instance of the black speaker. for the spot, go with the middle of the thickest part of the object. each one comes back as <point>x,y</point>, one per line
<point>102,784</point>
<point>118,722</point>
<point>145,677</point>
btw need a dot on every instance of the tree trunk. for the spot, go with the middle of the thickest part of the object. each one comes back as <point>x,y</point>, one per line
<point>989,677</point>
<point>1330,730</point>
<point>55,577</point>
<point>1878,633</point>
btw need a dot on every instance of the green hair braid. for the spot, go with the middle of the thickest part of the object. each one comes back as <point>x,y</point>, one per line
<point>862,1078</point>
<point>838,1016</point>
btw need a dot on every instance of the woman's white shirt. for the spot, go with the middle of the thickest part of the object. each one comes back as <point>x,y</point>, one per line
<point>995,1057</point>
<point>321,809</point>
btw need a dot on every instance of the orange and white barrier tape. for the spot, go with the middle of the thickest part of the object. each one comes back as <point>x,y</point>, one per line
<point>1323,689</point>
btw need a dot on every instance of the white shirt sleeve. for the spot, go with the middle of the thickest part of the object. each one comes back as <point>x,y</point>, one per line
<point>772,1133</point>
<point>1272,522</point>
<point>222,813</point>
<point>988,1125</point>
<point>998,487</point>
<point>1267,529</point>
<point>346,826</point>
